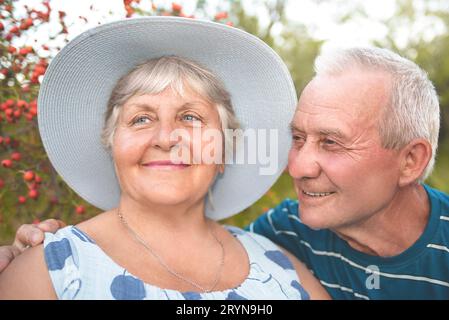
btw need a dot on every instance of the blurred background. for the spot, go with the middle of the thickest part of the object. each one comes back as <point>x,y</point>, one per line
<point>33,31</point>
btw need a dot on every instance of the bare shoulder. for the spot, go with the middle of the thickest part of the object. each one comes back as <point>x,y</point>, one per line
<point>99,224</point>
<point>27,277</point>
<point>308,280</point>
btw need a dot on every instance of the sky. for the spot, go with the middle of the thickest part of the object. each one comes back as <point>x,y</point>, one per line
<point>318,16</point>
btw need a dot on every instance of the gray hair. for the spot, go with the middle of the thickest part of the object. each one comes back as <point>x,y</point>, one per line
<point>154,76</point>
<point>413,111</point>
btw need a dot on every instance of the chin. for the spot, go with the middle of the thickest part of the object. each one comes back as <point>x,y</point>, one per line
<point>314,220</point>
<point>166,195</point>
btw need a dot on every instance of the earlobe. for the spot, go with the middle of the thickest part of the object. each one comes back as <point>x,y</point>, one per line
<point>416,156</point>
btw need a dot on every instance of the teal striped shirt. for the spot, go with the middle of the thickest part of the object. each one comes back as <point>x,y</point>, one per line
<point>420,272</point>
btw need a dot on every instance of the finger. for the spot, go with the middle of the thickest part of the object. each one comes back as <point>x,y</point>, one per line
<point>51,225</point>
<point>7,254</point>
<point>28,235</point>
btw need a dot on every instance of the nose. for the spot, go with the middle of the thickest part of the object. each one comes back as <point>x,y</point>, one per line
<point>163,138</point>
<point>303,162</point>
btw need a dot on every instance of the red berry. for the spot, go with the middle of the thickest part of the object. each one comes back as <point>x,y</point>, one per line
<point>37,178</point>
<point>29,22</point>
<point>9,112</point>
<point>221,15</point>
<point>28,175</point>
<point>176,7</point>
<point>9,103</point>
<point>2,183</point>
<point>33,194</point>
<point>14,29</point>
<point>23,51</point>
<point>11,49</point>
<point>16,156</point>
<point>33,186</point>
<point>39,70</point>
<point>7,163</point>
<point>80,210</point>
<point>33,111</point>
<point>22,199</point>
<point>22,103</point>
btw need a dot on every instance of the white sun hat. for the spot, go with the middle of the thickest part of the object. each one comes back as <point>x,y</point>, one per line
<point>76,87</point>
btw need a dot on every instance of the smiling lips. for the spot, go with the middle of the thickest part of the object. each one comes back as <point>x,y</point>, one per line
<point>317,194</point>
<point>165,165</point>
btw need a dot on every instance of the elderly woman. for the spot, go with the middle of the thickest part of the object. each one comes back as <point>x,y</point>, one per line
<point>156,239</point>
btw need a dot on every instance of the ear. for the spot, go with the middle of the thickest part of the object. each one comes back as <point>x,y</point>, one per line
<point>415,157</point>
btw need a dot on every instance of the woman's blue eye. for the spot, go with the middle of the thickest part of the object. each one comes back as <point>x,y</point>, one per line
<point>141,120</point>
<point>189,117</point>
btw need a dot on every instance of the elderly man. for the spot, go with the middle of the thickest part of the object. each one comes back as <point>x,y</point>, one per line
<point>364,138</point>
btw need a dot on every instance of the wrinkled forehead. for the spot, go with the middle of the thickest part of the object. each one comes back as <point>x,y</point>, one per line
<point>356,98</point>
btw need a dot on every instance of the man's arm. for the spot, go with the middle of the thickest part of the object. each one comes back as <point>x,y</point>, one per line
<point>28,235</point>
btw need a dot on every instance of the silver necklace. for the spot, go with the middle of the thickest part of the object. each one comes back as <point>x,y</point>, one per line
<point>170,270</point>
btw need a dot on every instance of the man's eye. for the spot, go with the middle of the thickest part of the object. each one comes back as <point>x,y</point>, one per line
<point>329,142</point>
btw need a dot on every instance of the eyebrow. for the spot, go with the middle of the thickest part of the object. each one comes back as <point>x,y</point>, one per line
<point>293,127</point>
<point>332,132</point>
<point>323,132</point>
<point>146,106</point>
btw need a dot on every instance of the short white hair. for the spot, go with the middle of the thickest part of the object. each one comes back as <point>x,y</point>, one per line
<point>154,76</point>
<point>413,111</point>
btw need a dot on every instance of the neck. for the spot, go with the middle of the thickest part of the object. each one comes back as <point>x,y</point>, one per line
<point>395,228</point>
<point>164,221</point>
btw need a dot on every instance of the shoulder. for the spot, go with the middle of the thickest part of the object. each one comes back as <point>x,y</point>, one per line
<point>440,197</point>
<point>69,254</point>
<point>27,277</point>
<point>282,214</point>
<point>63,246</point>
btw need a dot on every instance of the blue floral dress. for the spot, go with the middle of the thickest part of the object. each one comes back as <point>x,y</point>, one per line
<point>80,269</point>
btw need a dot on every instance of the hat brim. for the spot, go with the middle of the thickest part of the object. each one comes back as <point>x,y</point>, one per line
<point>74,93</point>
